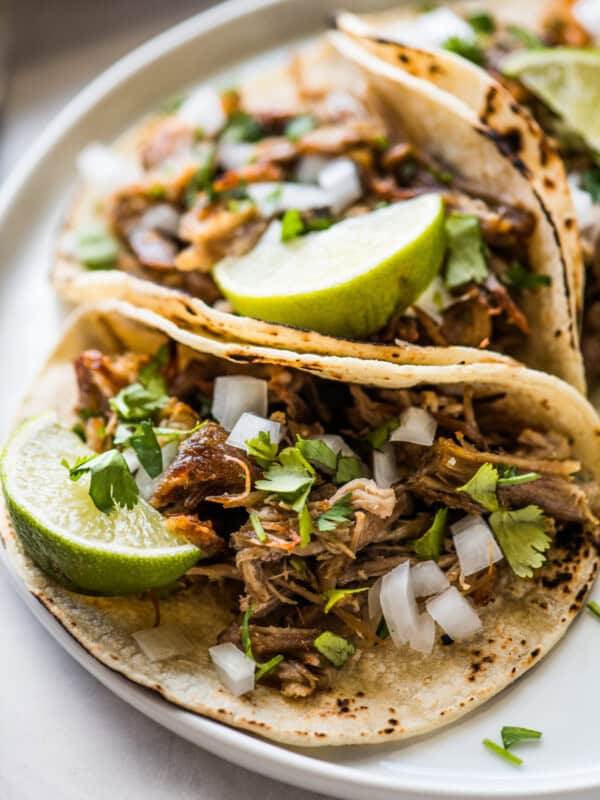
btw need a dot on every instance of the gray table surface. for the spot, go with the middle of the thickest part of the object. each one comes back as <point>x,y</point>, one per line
<point>63,736</point>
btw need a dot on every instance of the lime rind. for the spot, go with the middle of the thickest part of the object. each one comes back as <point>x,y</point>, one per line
<point>72,545</point>
<point>346,281</point>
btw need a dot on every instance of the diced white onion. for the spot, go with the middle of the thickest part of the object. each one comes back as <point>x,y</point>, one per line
<point>454,614</point>
<point>132,460</point>
<point>435,299</point>
<point>427,579</point>
<point>105,170</point>
<point>430,30</point>
<point>423,636</point>
<point>273,198</point>
<point>340,180</point>
<point>234,668</point>
<point>249,426</point>
<point>398,604</point>
<point>374,602</point>
<point>385,467</point>
<point>335,443</point>
<point>585,209</point>
<point>475,544</point>
<point>162,217</point>
<point>309,168</point>
<point>163,642</point>
<point>145,483</point>
<point>234,394</point>
<point>203,110</point>
<point>587,14</point>
<point>233,155</point>
<point>416,426</point>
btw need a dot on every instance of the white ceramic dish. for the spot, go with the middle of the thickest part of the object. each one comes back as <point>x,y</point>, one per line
<point>559,697</point>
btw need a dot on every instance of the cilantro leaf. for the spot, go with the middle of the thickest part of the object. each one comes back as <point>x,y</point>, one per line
<point>522,278</point>
<point>379,436</point>
<point>242,127</point>
<point>111,482</point>
<point>201,180</point>
<point>147,395</point>
<point>590,181</point>
<point>514,478</point>
<point>317,451</point>
<point>482,22</point>
<point>174,434</point>
<point>298,564</point>
<point>348,469</point>
<point>292,225</point>
<point>284,481</point>
<point>513,735</point>
<point>482,487</point>
<point>267,666</point>
<point>335,648</point>
<point>429,545</point>
<point>338,514</point>
<point>258,527</point>
<point>466,49</point>
<point>465,260</point>
<point>262,449</point>
<point>333,596</point>
<point>95,247</point>
<point>522,538</point>
<point>147,448</point>
<point>318,223</point>
<point>151,374</point>
<point>300,125</point>
<point>305,526</point>
<point>525,37</point>
<point>594,607</point>
<point>500,751</point>
<point>262,668</point>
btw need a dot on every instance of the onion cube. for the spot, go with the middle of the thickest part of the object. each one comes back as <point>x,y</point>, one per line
<point>234,668</point>
<point>249,426</point>
<point>427,579</point>
<point>475,544</point>
<point>417,426</point>
<point>454,614</point>
<point>234,394</point>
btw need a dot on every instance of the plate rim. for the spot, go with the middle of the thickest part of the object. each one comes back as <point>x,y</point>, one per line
<point>253,753</point>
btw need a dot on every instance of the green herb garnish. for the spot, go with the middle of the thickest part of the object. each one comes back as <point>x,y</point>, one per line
<point>338,514</point>
<point>333,596</point>
<point>429,545</point>
<point>292,225</point>
<point>258,527</point>
<point>379,436</point>
<point>147,395</point>
<point>299,126</point>
<point>349,468</point>
<point>111,482</point>
<point>522,278</point>
<point>515,479</point>
<point>590,181</point>
<point>142,438</point>
<point>335,648</point>
<point>305,526</point>
<point>465,259</point>
<point>95,247</point>
<point>500,751</point>
<point>262,449</point>
<point>242,127</point>
<point>482,22</point>
<point>513,735</point>
<point>466,49</point>
<point>525,37</point>
<point>262,668</point>
<point>522,537</point>
<point>482,487</point>
<point>317,452</point>
<point>594,608</point>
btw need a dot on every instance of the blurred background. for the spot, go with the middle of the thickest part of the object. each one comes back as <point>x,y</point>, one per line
<point>49,49</point>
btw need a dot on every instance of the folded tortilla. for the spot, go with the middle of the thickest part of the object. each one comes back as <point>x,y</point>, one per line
<point>387,693</point>
<point>447,134</point>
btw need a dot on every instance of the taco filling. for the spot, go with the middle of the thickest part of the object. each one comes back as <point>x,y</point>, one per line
<point>334,516</point>
<point>215,179</point>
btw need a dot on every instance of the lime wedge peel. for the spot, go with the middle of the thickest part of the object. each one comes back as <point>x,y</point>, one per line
<point>567,80</point>
<point>128,550</point>
<point>347,280</point>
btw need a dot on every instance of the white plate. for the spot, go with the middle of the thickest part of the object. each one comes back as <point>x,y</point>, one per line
<point>559,697</point>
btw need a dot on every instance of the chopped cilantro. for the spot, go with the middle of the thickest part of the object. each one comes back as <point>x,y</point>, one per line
<point>482,487</point>
<point>594,608</point>
<point>292,225</point>
<point>242,127</point>
<point>300,125</point>
<point>262,449</point>
<point>318,223</point>
<point>335,648</point>
<point>333,596</point>
<point>515,479</point>
<point>590,181</point>
<point>262,668</point>
<point>142,439</point>
<point>466,49</point>
<point>147,395</point>
<point>466,250</point>
<point>429,546</point>
<point>111,482</point>
<point>500,751</point>
<point>174,434</point>
<point>258,527</point>
<point>298,564</point>
<point>318,452</point>
<point>348,469</point>
<point>201,181</point>
<point>522,537</point>
<point>525,37</point>
<point>513,735</point>
<point>305,526</point>
<point>377,437</point>
<point>338,514</point>
<point>95,247</point>
<point>522,278</point>
<point>482,22</point>
<point>267,666</point>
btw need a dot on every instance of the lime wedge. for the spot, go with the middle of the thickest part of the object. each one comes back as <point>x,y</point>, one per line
<point>567,80</point>
<point>347,280</point>
<point>67,536</point>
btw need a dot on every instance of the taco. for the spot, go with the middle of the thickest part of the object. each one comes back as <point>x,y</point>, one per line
<point>287,179</point>
<point>330,530</point>
<point>542,55</point>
